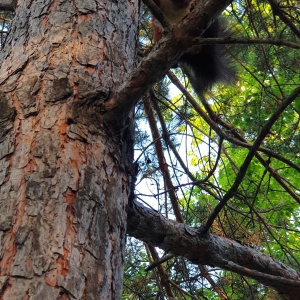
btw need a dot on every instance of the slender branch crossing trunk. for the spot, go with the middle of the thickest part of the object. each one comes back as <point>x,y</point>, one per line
<point>63,174</point>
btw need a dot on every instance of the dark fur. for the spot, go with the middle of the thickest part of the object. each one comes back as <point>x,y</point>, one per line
<point>211,64</point>
<point>207,65</point>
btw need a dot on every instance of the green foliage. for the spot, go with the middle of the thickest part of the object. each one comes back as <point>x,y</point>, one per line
<point>138,284</point>
<point>264,212</point>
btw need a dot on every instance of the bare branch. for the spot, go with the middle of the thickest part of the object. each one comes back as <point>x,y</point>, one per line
<point>8,5</point>
<point>157,13</point>
<point>278,11</point>
<point>176,238</point>
<point>245,41</point>
<point>158,262</point>
<point>163,166</point>
<point>242,172</point>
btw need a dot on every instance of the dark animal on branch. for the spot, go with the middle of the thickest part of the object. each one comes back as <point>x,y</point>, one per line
<point>204,65</point>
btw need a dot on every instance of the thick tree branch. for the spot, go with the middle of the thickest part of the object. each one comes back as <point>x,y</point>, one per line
<point>149,226</point>
<point>166,54</point>
<point>8,5</point>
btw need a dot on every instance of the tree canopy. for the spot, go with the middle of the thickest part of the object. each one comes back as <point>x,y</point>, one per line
<point>228,162</point>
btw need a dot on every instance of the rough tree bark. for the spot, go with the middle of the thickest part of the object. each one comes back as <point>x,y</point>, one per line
<point>63,176</point>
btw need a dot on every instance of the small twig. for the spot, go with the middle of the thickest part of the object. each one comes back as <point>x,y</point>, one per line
<point>159,262</point>
<point>242,172</point>
<point>247,41</point>
<point>157,13</point>
<point>262,276</point>
<point>280,13</point>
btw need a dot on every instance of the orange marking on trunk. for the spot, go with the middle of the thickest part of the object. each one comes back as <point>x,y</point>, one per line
<point>5,288</point>
<point>17,104</point>
<point>31,167</point>
<point>70,236</point>
<point>62,261</point>
<point>102,46</point>
<point>10,249</point>
<point>51,277</point>
<point>45,22</point>
<point>63,128</point>
<point>20,209</point>
<point>76,178</point>
<point>28,263</point>
<point>84,18</point>
<point>70,197</point>
<point>8,255</point>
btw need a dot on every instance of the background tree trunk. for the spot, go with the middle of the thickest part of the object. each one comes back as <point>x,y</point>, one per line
<point>63,176</point>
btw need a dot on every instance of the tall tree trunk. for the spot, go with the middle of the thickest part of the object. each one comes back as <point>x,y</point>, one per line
<point>63,174</point>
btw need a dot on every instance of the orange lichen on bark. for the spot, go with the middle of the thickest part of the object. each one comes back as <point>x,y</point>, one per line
<point>21,208</point>
<point>5,289</point>
<point>17,104</point>
<point>45,22</point>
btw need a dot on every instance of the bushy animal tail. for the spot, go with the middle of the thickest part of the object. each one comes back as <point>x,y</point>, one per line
<point>210,64</point>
